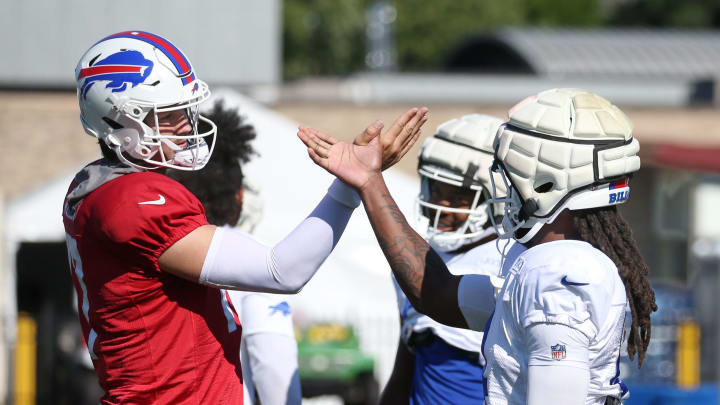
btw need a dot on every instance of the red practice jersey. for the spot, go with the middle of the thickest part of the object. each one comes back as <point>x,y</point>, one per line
<point>154,338</point>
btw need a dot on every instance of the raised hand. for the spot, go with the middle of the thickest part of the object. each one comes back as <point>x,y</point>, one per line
<point>353,164</point>
<point>397,140</point>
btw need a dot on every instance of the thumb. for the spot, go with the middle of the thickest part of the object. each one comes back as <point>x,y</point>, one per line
<point>370,133</point>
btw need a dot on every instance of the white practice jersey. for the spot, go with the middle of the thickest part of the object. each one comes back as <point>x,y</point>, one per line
<point>483,259</point>
<point>271,357</point>
<point>263,313</point>
<point>565,282</point>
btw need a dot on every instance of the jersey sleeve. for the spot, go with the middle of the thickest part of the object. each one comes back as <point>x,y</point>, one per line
<point>476,300</point>
<point>149,215</point>
<point>575,290</point>
<point>554,344</point>
<point>266,313</point>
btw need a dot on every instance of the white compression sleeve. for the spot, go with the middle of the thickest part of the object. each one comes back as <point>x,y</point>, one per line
<point>561,378</point>
<point>237,261</point>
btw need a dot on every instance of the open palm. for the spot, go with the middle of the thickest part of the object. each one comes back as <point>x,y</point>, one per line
<point>353,164</point>
<point>370,152</point>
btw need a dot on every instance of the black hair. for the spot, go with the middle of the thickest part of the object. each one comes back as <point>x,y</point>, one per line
<point>607,230</point>
<point>217,183</point>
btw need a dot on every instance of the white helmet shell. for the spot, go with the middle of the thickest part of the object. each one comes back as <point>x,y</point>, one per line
<point>459,154</point>
<point>563,148</point>
<point>126,76</point>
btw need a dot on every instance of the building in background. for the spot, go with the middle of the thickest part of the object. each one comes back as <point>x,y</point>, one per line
<point>235,43</point>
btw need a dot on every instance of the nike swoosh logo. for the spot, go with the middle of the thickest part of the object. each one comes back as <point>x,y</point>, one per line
<point>159,201</point>
<point>566,282</point>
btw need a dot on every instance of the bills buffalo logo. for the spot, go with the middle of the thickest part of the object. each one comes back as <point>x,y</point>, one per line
<point>119,70</point>
<point>558,351</point>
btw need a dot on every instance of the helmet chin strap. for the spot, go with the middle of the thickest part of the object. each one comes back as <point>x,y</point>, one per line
<point>172,145</point>
<point>528,208</point>
<point>192,155</point>
<point>449,243</point>
<point>531,231</point>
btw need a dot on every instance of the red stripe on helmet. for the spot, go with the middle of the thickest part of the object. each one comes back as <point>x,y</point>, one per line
<point>188,79</point>
<point>99,70</point>
<point>167,47</point>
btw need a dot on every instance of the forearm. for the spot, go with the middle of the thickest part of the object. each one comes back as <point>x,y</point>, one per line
<point>420,272</point>
<point>237,261</point>
<point>296,258</point>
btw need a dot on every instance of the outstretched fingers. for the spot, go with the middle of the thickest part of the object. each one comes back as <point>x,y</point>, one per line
<point>398,140</point>
<point>316,140</point>
<point>397,126</point>
<point>370,133</point>
<point>407,146</point>
<point>322,162</point>
<point>413,128</point>
<point>327,139</point>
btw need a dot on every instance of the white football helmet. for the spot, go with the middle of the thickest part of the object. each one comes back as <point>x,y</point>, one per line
<point>460,154</point>
<point>561,149</point>
<point>126,76</point>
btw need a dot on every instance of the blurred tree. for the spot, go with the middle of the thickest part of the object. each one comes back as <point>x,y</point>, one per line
<point>666,13</point>
<point>323,37</point>
<point>567,13</point>
<point>428,31</point>
<point>327,37</point>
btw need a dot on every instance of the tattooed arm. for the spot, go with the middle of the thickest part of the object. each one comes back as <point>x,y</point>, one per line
<point>419,270</point>
<point>422,275</point>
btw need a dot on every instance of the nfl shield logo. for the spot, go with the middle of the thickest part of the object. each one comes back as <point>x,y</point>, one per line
<point>558,351</point>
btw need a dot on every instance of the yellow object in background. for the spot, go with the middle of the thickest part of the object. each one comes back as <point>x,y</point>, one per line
<point>688,355</point>
<point>26,360</point>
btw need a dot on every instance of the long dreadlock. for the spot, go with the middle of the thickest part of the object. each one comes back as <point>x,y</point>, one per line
<point>606,230</point>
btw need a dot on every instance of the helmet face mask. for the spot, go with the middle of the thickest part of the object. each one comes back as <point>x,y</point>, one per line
<point>130,79</point>
<point>510,201</point>
<point>456,159</point>
<point>430,211</point>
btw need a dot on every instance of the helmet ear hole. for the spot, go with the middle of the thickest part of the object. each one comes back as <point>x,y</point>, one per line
<point>544,188</point>
<point>112,123</point>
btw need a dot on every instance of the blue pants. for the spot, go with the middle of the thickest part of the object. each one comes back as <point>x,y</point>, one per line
<point>446,375</point>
